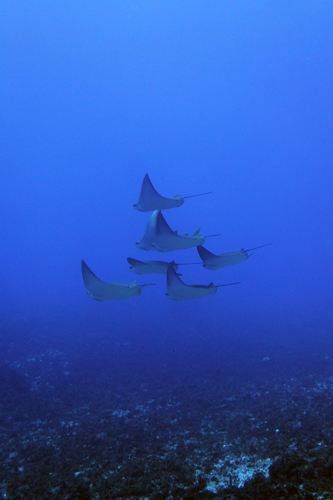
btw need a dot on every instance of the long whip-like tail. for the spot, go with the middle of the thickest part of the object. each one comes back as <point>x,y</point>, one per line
<point>189,264</point>
<point>261,246</point>
<point>194,195</point>
<point>229,284</point>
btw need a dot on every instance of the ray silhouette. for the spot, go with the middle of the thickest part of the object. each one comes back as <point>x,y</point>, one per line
<point>151,200</point>
<point>150,266</point>
<point>101,291</point>
<point>160,237</point>
<point>178,290</point>
<point>213,262</point>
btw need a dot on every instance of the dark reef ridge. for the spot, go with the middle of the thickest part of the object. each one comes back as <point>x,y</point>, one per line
<point>99,424</point>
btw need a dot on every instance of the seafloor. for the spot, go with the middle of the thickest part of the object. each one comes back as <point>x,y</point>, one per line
<point>101,417</point>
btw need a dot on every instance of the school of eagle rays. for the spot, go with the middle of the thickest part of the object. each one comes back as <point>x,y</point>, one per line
<point>160,237</point>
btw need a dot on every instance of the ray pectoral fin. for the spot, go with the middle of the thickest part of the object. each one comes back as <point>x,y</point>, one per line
<point>204,254</point>
<point>162,227</point>
<point>132,261</point>
<point>89,277</point>
<point>147,195</point>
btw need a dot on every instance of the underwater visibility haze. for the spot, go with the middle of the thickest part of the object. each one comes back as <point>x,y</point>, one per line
<point>186,146</point>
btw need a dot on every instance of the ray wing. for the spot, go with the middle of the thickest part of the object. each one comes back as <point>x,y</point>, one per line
<point>149,236</point>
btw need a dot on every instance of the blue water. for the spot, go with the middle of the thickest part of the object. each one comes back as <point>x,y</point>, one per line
<point>229,97</point>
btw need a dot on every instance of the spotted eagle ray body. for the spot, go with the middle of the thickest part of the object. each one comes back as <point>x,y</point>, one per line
<point>178,290</point>
<point>101,291</point>
<point>160,237</point>
<point>150,266</point>
<point>151,200</point>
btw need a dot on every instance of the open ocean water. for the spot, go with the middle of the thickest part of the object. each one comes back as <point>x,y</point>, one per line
<point>229,396</point>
